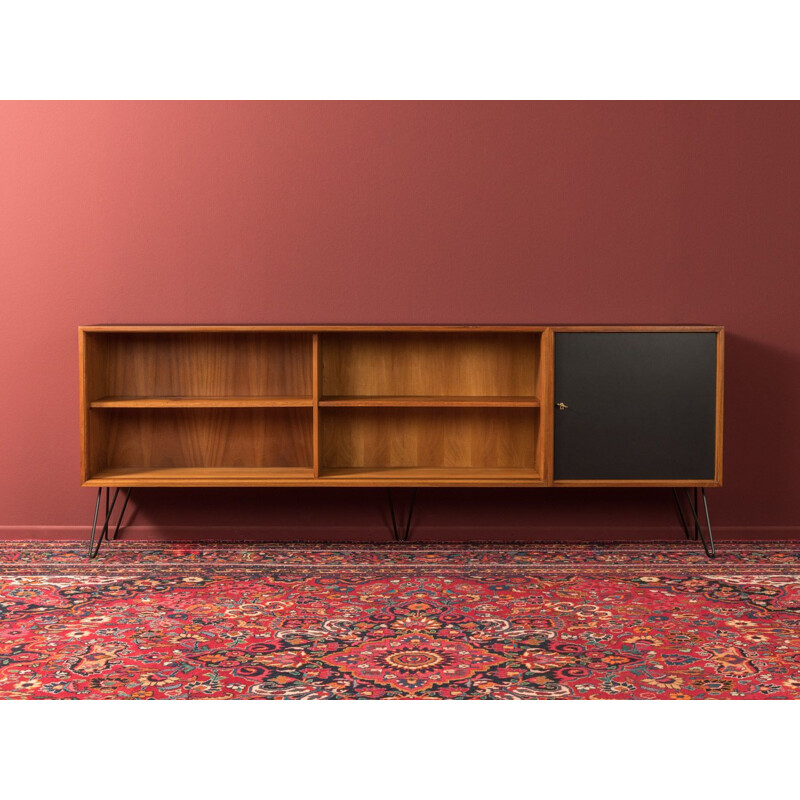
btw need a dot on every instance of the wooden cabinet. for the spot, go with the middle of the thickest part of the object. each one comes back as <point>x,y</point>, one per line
<point>400,405</point>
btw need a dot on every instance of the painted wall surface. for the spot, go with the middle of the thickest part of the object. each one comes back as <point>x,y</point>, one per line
<point>483,212</point>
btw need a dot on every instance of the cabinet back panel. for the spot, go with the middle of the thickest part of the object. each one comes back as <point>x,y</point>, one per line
<point>203,364</point>
<point>219,437</point>
<point>430,364</point>
<point>428,437</point>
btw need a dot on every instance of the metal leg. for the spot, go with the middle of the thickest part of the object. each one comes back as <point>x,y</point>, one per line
<point>697,533</point>
<point>680,513</point>
<point>92,552</point>
<point>110,503</point>
<point>121,515</point>
<point>398,537</point>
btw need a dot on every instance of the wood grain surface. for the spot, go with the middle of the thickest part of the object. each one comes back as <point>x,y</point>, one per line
<point>201,437</point>
<point>430,364</point>
<point>427,437</point>
<point>205,365</point>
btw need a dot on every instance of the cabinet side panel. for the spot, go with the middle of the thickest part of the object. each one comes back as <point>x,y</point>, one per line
<point>720,402</point>
<point>93,365</point>
<point>83,405</point>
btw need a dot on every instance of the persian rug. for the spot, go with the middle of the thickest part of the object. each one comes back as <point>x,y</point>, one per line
<point>467,621</point>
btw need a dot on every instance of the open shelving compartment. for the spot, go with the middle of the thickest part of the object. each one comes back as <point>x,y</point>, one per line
<point>314,405</point>
<point>433,408</point>
<point>197,408</point>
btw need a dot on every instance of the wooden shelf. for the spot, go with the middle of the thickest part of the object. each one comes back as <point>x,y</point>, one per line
<point>429,401</point>
<point>429,476</point>
<point>202,476</point>
<point>302,476</point>
<point>202,402</point>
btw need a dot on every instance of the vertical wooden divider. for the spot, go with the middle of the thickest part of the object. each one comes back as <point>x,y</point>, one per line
<point>546,399</point>
<point>316,384</point>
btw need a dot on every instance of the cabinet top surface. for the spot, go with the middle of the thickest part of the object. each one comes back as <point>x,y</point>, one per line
<point>386,328</point>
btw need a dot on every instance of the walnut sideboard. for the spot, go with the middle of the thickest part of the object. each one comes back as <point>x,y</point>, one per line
<point>394,406</point>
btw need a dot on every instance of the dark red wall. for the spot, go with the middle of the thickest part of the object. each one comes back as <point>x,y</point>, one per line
<point>533,212</point>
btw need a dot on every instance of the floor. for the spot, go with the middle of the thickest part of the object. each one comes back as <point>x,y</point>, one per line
<point>467,621</point>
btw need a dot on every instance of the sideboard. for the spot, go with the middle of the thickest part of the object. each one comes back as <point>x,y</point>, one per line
<point>402,406</point>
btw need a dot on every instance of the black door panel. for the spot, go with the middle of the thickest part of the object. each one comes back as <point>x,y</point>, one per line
<point>640,406</point>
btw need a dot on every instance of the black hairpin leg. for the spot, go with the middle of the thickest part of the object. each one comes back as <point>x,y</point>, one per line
<point>121,516</point>
<point>697,532</point>
<point>110,503</point>
<point>398,537</point>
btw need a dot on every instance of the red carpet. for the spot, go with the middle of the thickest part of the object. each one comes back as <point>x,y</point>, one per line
<point>399,621</point>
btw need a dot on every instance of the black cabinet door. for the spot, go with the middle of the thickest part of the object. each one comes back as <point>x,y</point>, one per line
<point>640,406</point>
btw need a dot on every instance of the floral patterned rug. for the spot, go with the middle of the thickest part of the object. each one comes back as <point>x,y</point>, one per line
<point>524,621</point>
